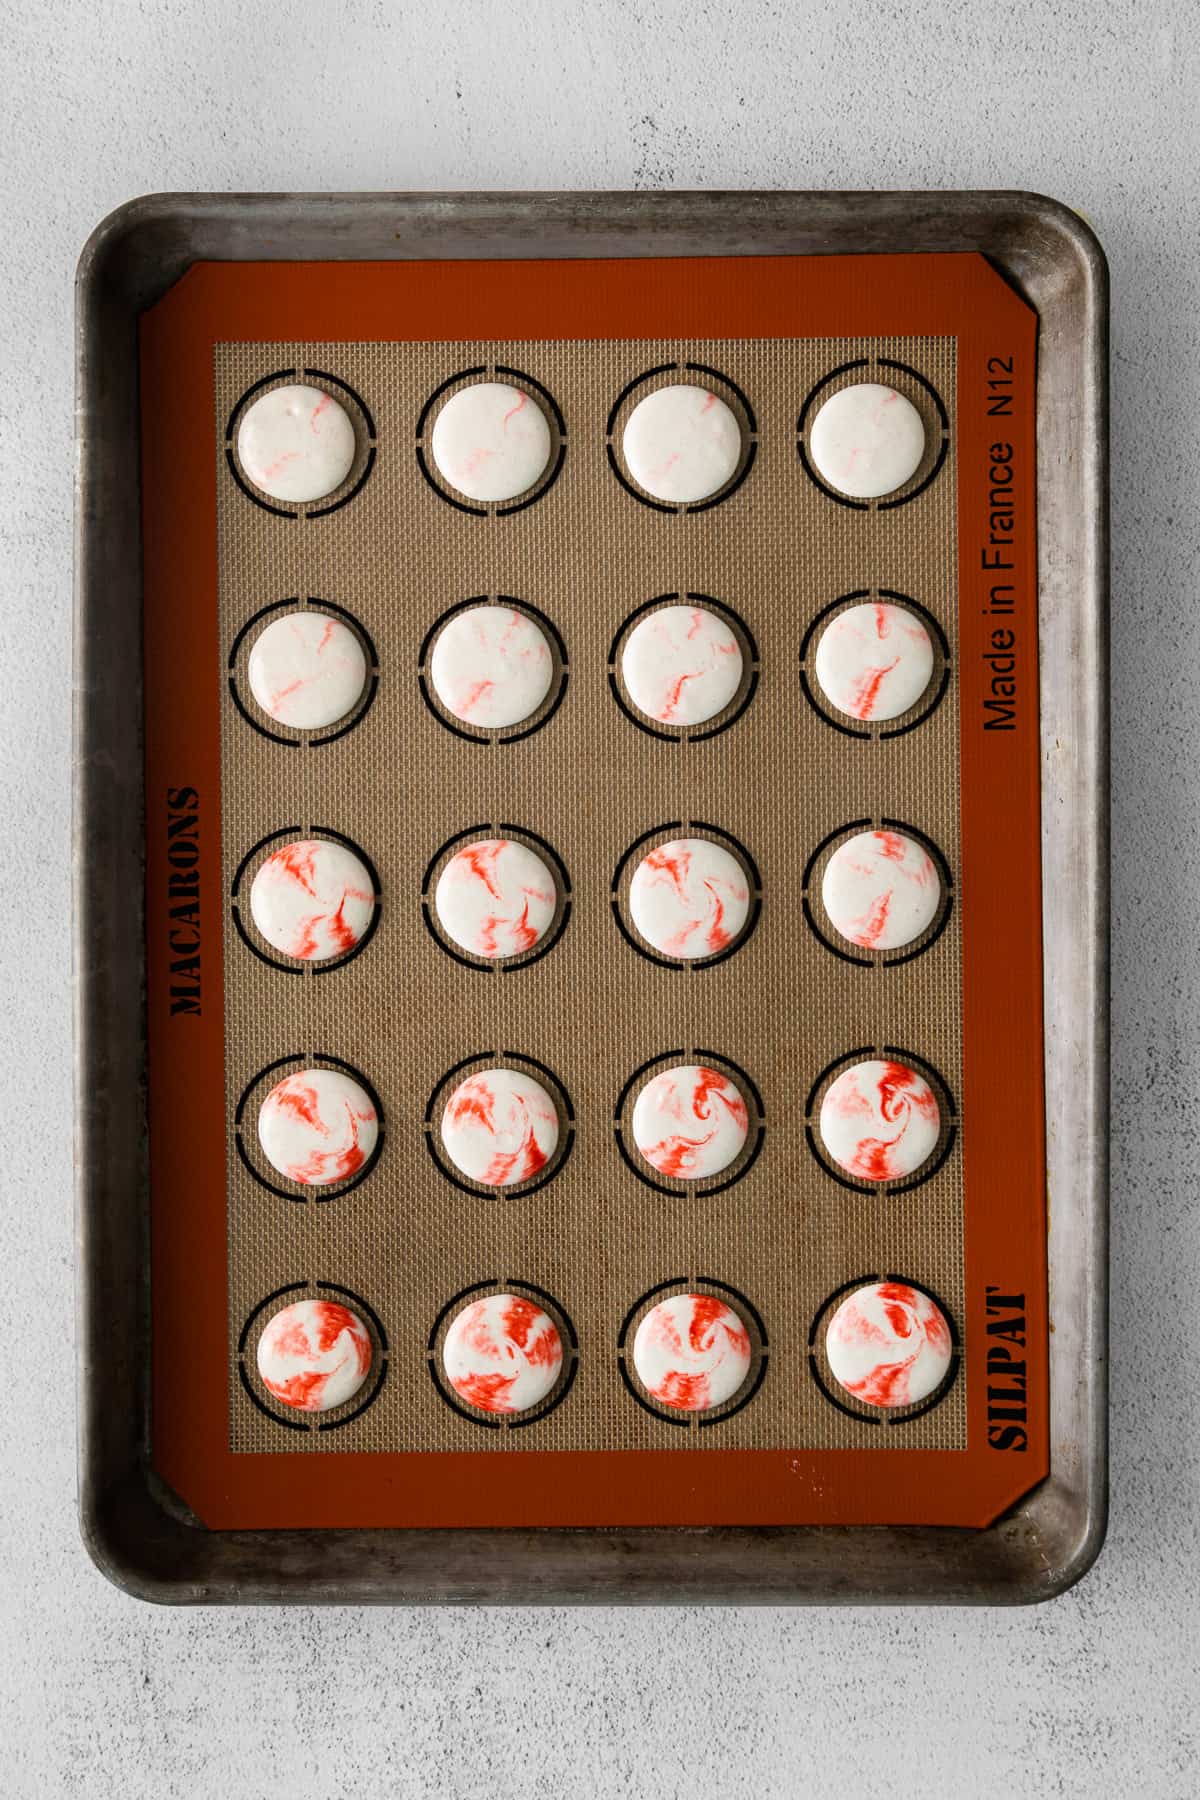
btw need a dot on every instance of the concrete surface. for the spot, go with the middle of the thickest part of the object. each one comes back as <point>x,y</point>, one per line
<point>1094,1694</point>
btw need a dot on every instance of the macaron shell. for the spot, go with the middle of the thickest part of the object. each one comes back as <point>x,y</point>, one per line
<point>312,899</point>
<point>491,667</point>
<point>307,670</point>
<point>682,444</point>
<point>690,1122</point>
<point>502,1354</point>
<point>888,1344</point>
<point>874,662</point>
<point>296,443</point>
<point>317,1126</point>
<point>491,441</point>
<point>689,898</point>
<point>499,1127</point>
<point>867,441</point>
<point>881,890</point>
<point>691,1352</point>
<point>495,898</point>
<point>880,1121</point>
<point>682,665</point>
<point>314,1355</point>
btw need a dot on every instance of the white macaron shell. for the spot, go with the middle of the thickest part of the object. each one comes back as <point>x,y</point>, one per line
<point>888,1344</point>
<point>690,1122</point>
<point>881,890</point>
<point>495,898</point>
<point>682,665</point>
<point>296,443</point>
<point>491,667</point>
<point>867,441</point>
<point>317,1126</point>
<point>682,444</point>
<point>499,1127</point>
<point>880,1121</point>
<point>312,899</point>
<point>689,898</point>
<point>491,441</point>
<point>874,661</point>
<point>307,670</point>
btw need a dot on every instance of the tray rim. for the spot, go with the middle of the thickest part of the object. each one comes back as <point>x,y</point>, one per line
<point>139,1534</point>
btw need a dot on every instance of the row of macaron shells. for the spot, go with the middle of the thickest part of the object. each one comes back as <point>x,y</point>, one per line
<point>887,1344</point>
<point>690,899</point>
<point>492,668</point>
<point>492,442</point>
<point>879,1121</point>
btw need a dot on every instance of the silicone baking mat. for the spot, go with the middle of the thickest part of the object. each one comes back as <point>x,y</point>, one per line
<point>783,782</point>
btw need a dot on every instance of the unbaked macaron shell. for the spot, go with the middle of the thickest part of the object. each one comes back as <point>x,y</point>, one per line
<point>888,1344</point>
<point>502,1354</point>
<point>314,1355</point>
<point>874,661</point>
<point>690,1122</point>
<point>881,890</point>
<point>681,665</point>
<point>312,900</point>
<point>500,1127</point>
<point>691,1352</point>
<point>491,441</point>
<point>307,670</point>
<point>682,444</point>
<point>880,1121</point>
<point>867,441</point>
<point>296,443</point>
<point>689,898</point>
<point>491,667</point>
<point>317,1126</point>
<point>495,898</point>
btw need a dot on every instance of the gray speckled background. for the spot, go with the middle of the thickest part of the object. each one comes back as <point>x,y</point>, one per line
<point>1094,1694</point>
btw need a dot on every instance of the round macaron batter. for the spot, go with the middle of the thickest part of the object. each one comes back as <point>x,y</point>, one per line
<point>874,661</point>
<point>502,1354</point>
<point>296,443</point>
<point>880,1121</point>
<point>495,898</point>
<point>312,899</point>
<point>881,890</point>
<point>317,1126</point>
<point>314,1355</point>
<point>681,665</point>
<point>307,670</point>
<point>689,898</point>
<point>691,1352</point>
<point>499,1127</point>
<point>867,441</point>
<point>888,1344</point>
<point>491,667</point>
<point>682,444</point>
<point>491,442</point>
<point>690,1122</point>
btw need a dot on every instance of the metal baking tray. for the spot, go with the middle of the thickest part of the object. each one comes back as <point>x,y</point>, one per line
<point>137,1532</point>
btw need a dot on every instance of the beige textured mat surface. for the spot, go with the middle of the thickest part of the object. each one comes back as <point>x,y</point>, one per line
<point>780,780</point>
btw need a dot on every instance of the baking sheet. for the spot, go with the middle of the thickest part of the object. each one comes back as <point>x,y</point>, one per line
<point>1035,242</point>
